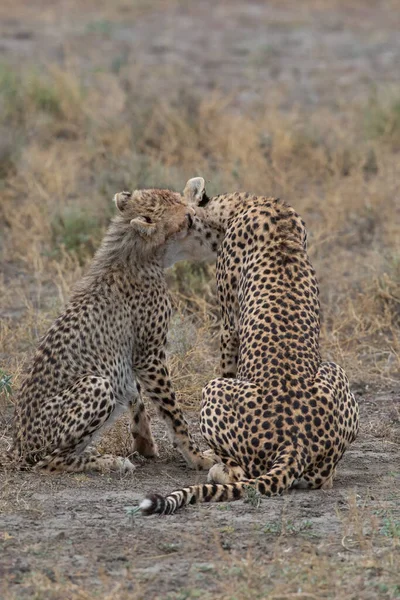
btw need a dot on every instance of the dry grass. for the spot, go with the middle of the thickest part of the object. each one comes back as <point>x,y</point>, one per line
<point>70,152</point>
<point>66,150</point>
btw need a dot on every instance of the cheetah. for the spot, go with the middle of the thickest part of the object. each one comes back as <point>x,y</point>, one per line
<point>278,417</point>
<point>108,343</point>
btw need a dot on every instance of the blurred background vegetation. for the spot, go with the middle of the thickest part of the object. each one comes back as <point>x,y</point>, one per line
<point>261,98</point>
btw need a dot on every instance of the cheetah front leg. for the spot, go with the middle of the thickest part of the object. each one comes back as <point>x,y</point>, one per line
<point>143,441</point>
<point>156,380</point>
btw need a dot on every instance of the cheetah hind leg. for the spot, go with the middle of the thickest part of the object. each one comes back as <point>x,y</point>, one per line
<point>226,472</point>
<point>314,480</point>
<point>79,415</point>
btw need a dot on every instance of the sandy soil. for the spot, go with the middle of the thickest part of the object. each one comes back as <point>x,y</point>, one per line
<point>77,528</point>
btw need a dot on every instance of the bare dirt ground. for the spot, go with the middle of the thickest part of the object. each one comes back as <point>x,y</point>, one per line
<point>72,536</point>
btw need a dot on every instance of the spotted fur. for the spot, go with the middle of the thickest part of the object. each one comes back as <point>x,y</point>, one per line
<point>278,416</point>
<point>109,341</point>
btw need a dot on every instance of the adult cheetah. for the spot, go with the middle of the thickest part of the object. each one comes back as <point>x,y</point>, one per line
<point>109,341</point>
<point>278,416</point>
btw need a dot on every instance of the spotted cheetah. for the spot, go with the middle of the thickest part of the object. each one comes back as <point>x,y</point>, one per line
<point>109,341</point>
<point>279,416</point>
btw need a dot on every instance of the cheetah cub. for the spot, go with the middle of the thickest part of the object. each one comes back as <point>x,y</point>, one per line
<point>109,341</point>
<point>278,416</point>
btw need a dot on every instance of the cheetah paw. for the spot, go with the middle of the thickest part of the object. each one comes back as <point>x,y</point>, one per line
<point>221,473</point>
<point>124,465</point>
<point>145,447</point>
<point>218,473</point>
<point>210,454</point>
<point>205,460</point>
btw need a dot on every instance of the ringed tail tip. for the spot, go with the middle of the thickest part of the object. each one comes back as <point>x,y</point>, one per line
<point>152,504</point>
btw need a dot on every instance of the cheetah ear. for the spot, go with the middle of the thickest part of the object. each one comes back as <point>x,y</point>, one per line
<point>195,190</point>
<point>121,200</point>
<point>143,225</point>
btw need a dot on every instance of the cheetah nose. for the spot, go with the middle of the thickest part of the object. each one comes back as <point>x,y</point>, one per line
<point>190,220</point>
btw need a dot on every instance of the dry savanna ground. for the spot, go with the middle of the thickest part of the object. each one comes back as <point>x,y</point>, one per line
<point>297,100</point>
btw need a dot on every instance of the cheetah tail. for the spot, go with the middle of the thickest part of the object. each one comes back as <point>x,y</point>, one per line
<point>284,472</point>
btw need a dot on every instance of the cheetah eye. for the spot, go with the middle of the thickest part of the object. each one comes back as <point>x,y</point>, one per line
<point>147,219</point>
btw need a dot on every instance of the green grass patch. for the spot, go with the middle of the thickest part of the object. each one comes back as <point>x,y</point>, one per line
<point>5,384</point>
<point>382,121</point>
<point>102,26</point>
<point>77,232</point>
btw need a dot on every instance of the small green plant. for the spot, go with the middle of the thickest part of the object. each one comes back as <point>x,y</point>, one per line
<point>204,567</point>
<point>132,512</point>
<point>102,26</point>
<point>252,496</point>
<point>275,528</point>
<point>290,527</point>
<point>390,527</point>
<point>5,384</point>
<point>227,529</point>
<point>298,527</point>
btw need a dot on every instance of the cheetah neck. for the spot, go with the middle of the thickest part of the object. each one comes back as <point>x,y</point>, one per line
<point>281,223</point>
<point>210,225</point>
<point>124,253</point>
<point>220,209</point>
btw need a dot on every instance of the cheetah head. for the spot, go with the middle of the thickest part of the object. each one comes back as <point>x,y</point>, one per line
<point>204,237</point>
<point>154,217</point>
